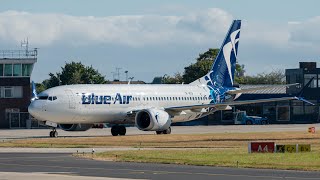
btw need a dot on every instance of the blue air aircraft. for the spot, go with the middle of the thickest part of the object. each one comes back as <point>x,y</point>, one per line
<point>150,107</point>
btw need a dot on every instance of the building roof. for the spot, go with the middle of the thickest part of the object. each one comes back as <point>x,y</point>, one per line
<point>275,90</point>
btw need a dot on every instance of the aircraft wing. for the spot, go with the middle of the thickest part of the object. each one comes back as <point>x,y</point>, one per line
<point>260,88</point>
<point>223,105</point>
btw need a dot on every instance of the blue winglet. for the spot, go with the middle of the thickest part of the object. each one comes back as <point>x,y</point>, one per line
<point>306,101</point>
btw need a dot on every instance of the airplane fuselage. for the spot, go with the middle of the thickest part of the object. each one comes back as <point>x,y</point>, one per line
<point>113,103</point>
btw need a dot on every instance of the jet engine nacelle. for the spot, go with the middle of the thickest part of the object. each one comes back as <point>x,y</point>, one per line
<point>75,127</point>
<point>152,120</point>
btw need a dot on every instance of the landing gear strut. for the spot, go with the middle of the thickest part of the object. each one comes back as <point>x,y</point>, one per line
<point>53,133</point>
<point>167,131</point>
<point>118,130</point>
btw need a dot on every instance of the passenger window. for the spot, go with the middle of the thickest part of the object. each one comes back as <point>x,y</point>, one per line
<point>54,98</point>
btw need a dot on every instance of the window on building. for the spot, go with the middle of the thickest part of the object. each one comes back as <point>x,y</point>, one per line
<point>26,69</point>
<point>11,92</point>
<point>1,69</point>
<point>297,110</point>
<point>311,109</point>
<point>283,113</point>
<point>269,110</point>
<point>8,70</point>
<point>308,77</point>
<point>8,92</point>
<point>17,91</point>
<point>17,70</point>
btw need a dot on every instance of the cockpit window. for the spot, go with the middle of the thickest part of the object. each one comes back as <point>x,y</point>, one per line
<point>43,97</point>
<point>52,98</point>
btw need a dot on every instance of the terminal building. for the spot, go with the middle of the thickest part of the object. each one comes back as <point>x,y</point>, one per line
<point>15,93</point>
<point>282,112</point>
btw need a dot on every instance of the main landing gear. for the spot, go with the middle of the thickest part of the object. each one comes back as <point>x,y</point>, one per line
<point>167,131</point>
<point>53,133</point>
<point>118,130</point>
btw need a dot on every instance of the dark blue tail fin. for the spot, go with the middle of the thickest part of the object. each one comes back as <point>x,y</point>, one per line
<point>34,92</point>
<point>223,68</point>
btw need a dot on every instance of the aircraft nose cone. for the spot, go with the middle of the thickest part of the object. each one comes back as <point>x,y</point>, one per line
<point>32,110</point>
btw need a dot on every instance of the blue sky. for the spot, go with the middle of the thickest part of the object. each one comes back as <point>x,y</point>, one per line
<point>153,38</point>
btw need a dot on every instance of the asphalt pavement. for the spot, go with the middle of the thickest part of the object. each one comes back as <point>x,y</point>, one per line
<point>65,166</point>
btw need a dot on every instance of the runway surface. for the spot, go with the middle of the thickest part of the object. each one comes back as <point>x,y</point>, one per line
<point>64,166</point>
<point>58,163</point>
<point>40,133</point>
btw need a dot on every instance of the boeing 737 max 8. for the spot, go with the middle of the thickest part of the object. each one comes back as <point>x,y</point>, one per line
<point>149,107</point>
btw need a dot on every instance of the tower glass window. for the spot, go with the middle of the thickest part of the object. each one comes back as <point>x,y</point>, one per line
<point>1,69</point>
<point>8,70</point>
<point>26,69</point>
<point>17,70</point>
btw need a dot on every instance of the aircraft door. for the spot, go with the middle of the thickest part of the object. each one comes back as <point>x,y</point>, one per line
<point>71,99</point>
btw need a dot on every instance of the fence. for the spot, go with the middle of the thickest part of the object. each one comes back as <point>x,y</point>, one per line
<point>22,120</point>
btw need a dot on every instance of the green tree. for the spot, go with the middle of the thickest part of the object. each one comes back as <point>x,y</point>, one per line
<point>40,87</point>
<point>201,67</point>
<point>74,73</point>
<point>274,77</point>
<point>166,79</point>
<point>176,79</point>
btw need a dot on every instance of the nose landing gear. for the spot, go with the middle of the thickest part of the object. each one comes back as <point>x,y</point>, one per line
<point>53,133</point>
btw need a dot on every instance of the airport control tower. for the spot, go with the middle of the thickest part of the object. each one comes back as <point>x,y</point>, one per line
<point>15,92</point>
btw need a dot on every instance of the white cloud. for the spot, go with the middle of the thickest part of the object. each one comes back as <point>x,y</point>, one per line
<point>46,29</point>
<point>262,33</point>
<point>306,33</point>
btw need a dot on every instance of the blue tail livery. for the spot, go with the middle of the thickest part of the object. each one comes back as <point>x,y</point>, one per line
<point>34,92</point>
<point>223,67</point>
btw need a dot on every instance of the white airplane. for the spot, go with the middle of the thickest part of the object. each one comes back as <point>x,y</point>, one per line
<point>150,107</point>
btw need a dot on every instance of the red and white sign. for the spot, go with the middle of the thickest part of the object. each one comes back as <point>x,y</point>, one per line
<point>261,147</point>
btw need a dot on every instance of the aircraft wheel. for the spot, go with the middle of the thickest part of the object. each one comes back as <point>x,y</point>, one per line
<point>51,134</point>
<point>159,132</point>
<point>115,130</point>
<point>167,131</point>
<point>55,134</point>
<point>122,130</point>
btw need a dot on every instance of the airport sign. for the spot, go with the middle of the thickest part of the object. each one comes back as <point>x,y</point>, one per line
<point>261,147</point>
